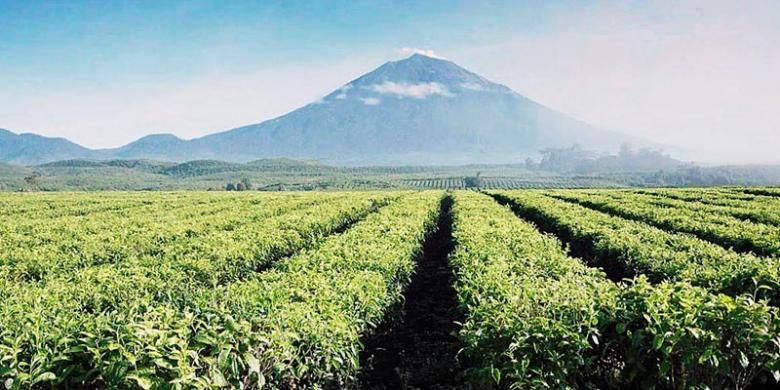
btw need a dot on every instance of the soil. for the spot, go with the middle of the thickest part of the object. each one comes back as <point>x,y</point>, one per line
<point>419,348</point>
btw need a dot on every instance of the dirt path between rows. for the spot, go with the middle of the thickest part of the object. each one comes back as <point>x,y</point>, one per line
<point>419,349</point>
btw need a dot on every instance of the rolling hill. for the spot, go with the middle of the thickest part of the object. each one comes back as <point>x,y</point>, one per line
<point>27,149</point>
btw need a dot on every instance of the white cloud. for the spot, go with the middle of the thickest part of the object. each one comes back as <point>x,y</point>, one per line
<point>343,91</point>
<point>370,101</point>
<point>407,51</point>
<point>417,91</point>
<point>473,86</point>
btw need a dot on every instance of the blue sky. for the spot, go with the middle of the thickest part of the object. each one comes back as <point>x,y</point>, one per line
<point>103,73</point>
<point>129,41</point>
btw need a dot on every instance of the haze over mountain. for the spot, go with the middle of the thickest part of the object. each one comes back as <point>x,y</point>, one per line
<point>416,111</point>
<point>33,148</point>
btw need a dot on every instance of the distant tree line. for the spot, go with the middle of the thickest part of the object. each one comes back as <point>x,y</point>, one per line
<point>243,185</point>
<point>576,160</point>
<point>473,181</point>
<point>693,175</point>
<point>33,181</point>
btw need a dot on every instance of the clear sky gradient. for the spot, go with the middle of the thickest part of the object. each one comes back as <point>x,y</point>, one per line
<point>702,75</point>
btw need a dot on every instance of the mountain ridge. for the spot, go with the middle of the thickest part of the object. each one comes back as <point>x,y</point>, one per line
<point>419,110</point>
<point>29,148</point>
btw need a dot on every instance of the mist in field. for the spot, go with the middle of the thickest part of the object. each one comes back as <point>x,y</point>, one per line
<point>699,77</point>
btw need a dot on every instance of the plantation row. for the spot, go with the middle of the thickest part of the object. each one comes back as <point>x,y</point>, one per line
<point>217,290</point>
<point>438,183</point>
<point>540,319</point>
<point>50,321</point>
<point>754,208</point>
<point>707,222</point>
<point>217,239</point>
<point>762,191</point>
<point>625,248</point>
<point>502,183</point>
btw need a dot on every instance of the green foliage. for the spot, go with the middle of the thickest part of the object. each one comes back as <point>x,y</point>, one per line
<point>532,313</point>
<point>707,222</point>
<point>537,318</point>
<point>748,207</point>
<point>473,181</point>
<point>91,319</point>
<point>629,248</point>
<point>277,290</point>
<point>199,168</point>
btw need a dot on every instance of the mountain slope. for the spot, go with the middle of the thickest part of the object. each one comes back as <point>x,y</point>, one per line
<point>419,110</point>
<point>33,149</point>
<point>154,146</point>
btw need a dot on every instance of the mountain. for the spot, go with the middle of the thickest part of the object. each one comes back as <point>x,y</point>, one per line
<point>165,146</point>
<point>419,110</point>
<point>27,149</point>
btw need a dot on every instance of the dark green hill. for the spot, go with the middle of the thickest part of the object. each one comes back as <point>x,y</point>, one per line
<point>201,168</point>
